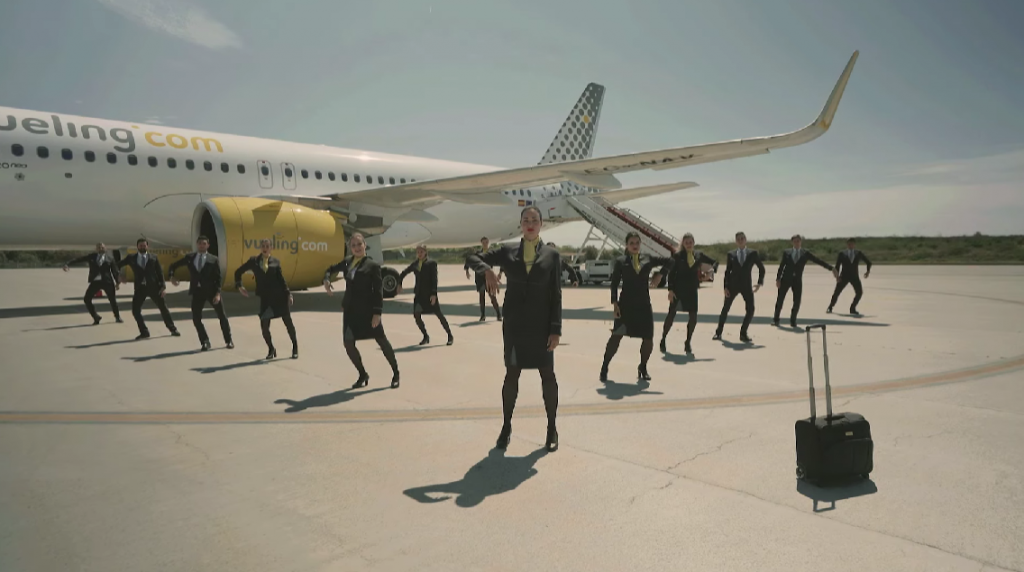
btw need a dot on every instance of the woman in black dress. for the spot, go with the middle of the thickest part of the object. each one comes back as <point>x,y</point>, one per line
<point>683,283</point>
<point>633,314</point>
<point>533,315</point>
<point>362,306</point>
<point>275,298</point>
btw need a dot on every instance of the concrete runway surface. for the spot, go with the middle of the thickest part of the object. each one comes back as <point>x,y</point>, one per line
<point>125,455</point>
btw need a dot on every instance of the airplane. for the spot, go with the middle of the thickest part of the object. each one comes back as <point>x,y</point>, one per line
<point>68,182</point>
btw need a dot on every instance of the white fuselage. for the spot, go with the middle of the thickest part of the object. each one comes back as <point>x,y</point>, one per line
<point>54,196</point>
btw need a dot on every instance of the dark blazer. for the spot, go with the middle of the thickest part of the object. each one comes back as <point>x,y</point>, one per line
<point>206,281</point>
<point>106,270</point>
<point>635,285</point>
<point>364,292</point>
<point>151,277</point>
<point>737,277</point>
<point>426,278</point>
<point>847,267</point>
<point>533,301</point>
<point>792,267</point>
<point>684,278</point>
<point>269,284</point>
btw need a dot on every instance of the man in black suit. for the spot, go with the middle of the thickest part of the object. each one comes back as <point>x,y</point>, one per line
<point>791,276</point>
<point>737,282</point>
<point>102,276</point>
<point>847,263</point>
<point>204,286</point>
<point>149,283</point>
<point>485,246</point>
<point>425,296</point>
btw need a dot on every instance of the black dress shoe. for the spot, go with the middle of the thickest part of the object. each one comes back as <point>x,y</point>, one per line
<point>363,380</point>
<point>687,348</point>
<point>745,338</point>
<point>552,441</point>
<point>229,344</point>
<point>295,352</point>
<point>451,339</point>
<point>604,375</point>
<point>176,333</point>
<point>504,437</point>
<point>483,318</point>
<point>717,336</point>
<point>854,313</point>
<point>775,323</point>
<point>662,346</point>
<point>119,320</point>
<point>205,347</point>
<point>829,311</point>
<point>142,336</point>
<point>96,320</point>
<point>425,340</point>
<point>792,323</point>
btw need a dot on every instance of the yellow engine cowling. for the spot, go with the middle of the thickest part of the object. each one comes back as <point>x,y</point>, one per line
<point>305,240</point>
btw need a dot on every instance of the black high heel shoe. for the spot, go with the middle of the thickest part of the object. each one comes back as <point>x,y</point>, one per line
<point>504,437</point>
<point>272,353</point>
<point>395,381</point>
<point>641,373</point>
<point>363,380</point>
<point>552,441</point>
<point>295,352</point>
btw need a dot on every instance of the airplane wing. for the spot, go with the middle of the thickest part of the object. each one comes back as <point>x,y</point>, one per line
<point>597,173</point>
<point>615,197</point>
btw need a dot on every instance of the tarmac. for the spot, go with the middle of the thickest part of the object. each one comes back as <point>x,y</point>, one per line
<point>149,455</point>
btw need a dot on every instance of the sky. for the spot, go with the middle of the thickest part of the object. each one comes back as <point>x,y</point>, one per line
<point>928,139</point>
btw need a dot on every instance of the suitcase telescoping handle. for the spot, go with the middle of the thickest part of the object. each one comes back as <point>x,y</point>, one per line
<point>810,371</point>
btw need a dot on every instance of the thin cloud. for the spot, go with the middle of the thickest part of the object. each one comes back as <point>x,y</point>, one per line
<point>189,23</point>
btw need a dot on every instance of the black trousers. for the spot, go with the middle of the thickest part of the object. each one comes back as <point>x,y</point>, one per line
<point>198,303</point>
<point>137,300</point>
<point>858,291</point>
<point>108,290</point>
<point>797,285</point>
<point>748,298</point>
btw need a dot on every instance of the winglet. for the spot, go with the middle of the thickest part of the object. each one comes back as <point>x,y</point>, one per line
<point>829,111</point>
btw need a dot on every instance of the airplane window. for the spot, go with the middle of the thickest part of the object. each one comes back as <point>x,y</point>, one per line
<point>17,150</point>
<point>288,172</point>
<point>224,168</point>
<point>66,153</point>
<point>172,163</point>
<point>392,180</point>
<point>43,152</point>
<point>305,174</point>
<point>111,158</point>
<point>152,161</point>
<point>529,193</point>
<point>265,171</point>
<point>241,169</point>
<point>190,164</point>
<point>413,180</point>
<point>319,175</point>
<point>344,176</point>
<point>330,175</point>
<point>133,160</point>
<point>90,156</point>
<point>380,180</point>
<point>402,180</point>
<point>355,178</point>
<point>208,165</point>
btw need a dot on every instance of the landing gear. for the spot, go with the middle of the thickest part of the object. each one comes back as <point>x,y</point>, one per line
<point>389,281</point>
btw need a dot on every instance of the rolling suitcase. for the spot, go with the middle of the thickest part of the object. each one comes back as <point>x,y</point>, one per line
<point>837,445</point>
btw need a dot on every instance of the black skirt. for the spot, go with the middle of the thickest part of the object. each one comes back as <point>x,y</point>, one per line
<point>526,345</point>
<point>274,307</point>
<point>356,325</point>
<point>637,321</point>
<point>481,282</point>
<point>422,305</point>
<point>686,300</point>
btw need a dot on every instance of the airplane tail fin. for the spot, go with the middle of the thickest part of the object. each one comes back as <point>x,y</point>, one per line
<point>575,140</point>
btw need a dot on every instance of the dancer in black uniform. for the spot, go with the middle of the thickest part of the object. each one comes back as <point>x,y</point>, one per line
<point>149,283</point>
<point>533,315</point>
<point>425,297</point>
<point>791,275</point>
<point>683,285</point>
<point>204,286</point>
<point>633,314</point>
<point>102,276</point>
<point>846,263</point>
<point>362,306</point>
<point>275,297</point>
<point>481,285</point>
<point>737,282</point>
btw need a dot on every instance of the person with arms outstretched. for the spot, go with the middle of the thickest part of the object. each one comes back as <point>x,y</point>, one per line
<point>847,263</point>
<point>425,293</point>
<point>102,277</point>
<point>149,283</point>
<point>275,297</point>
<point>791,276</point>
<point>361,307</point>
<point>204,287</point>
<point>634,316</point>
<point>533,316</point>
<point>737,282</point>
<point>683,286</point>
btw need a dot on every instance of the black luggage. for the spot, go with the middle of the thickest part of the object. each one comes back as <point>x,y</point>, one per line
<point>834,446</point>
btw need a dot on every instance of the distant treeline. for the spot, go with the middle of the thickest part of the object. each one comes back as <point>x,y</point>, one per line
<point>976,249</point>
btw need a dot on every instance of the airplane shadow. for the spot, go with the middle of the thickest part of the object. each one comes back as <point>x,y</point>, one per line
<point>835,491</point>
<point>229,367</point>
<point>616,391</point>
<point>325,400</point>
<point>494,475</point>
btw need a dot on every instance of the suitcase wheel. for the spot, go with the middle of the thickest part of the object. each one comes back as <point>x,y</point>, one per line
<point>799,473</point>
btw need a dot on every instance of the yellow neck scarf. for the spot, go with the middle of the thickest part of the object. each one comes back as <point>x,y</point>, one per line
<point>355,261</point>
<point>265,261</point>
<point>690,260</point>
<point>420,267</point>
<point>530,252</point>
<point>636,262</point>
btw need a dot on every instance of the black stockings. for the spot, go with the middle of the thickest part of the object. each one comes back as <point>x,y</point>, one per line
<point>287,319</point>
<point>646,347</point>
<point>510,391</point>
<point>690,325</point>
<point>385,346</point>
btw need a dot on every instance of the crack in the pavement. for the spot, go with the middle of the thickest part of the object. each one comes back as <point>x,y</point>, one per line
<point>705,453</point>
<point>180,440</point>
